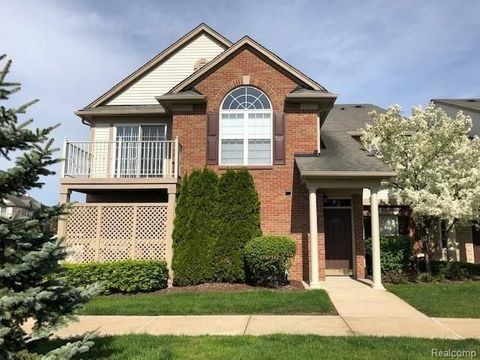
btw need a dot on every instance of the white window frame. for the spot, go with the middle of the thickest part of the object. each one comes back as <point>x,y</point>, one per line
<point>245,137</point>
<point>114,140</point>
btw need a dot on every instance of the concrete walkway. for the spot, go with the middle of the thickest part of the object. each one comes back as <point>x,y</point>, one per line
<point>362,311</point>
<point>378,312</point>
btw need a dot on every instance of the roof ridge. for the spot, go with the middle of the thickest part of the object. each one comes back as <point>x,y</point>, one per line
<point>202,27</point>
<point>247,40</point>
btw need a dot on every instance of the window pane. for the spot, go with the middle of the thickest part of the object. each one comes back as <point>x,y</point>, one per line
<point>232,126</point>
<point>259,152</point>
<point>388,225</point>
<point>128,133</point>
<point>227,102</point>
<point>232,152</point>
<point>259,125</point>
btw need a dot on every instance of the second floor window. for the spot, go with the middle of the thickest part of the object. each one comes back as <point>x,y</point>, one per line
<point>246,128</point>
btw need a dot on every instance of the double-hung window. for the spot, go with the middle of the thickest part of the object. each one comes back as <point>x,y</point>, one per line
<point>246,128</point>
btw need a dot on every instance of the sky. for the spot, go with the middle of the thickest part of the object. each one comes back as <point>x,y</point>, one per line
<point>67,53</point>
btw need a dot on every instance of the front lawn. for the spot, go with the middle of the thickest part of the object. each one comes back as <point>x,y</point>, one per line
<point>460,300</point>
<point>146,347</point>
<point>214,303</point>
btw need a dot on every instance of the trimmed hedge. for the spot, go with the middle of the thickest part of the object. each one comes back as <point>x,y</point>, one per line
<point>195,229</point>
<point>128,276</point>
<point>268,259</point>
<point>395,253</point>
<point>454,270</point>
<point>238,223</point>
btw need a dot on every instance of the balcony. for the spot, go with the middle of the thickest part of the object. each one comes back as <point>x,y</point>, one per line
<point>97,161</point>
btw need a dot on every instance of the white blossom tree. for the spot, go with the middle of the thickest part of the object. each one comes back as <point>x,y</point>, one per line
<point>437,165</point>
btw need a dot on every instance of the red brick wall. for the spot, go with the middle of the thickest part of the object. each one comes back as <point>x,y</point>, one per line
<point>280,213</point>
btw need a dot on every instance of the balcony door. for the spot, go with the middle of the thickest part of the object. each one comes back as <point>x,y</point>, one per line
<point>140,150</point>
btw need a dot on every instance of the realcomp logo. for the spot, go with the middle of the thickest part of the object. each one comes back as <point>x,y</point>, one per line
<point>449,353</point>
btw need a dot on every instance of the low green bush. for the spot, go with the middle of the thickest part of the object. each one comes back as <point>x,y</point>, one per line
<point>128,276</point>
<point>395,253</point>
<point>396,277</point>
<point>268,258</point>
<point>454,270</point>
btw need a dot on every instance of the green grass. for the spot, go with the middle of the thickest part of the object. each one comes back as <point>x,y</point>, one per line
<point>460,300</point>
<point>149,347</point>
<point>213,303</point>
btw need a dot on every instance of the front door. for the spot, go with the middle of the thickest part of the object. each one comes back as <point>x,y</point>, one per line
<point>338,240</point>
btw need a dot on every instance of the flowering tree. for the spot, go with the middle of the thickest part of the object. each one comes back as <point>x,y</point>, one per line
<point>437,165</point>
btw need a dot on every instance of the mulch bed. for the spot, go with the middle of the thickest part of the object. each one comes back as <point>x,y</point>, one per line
<point>227,287</point>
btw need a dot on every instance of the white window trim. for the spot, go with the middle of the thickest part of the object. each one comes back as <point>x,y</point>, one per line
<point>113,159</point>
<point>245,137</point>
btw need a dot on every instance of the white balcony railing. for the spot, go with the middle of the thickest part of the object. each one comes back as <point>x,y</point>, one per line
<point>122,159</point>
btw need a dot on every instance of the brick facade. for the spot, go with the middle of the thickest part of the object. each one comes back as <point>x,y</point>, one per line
<point>283,197</point>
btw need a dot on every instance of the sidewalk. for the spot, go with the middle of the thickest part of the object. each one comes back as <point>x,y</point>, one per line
<point>273,324</point>
<point>362,311</point>
<point>377,312</point>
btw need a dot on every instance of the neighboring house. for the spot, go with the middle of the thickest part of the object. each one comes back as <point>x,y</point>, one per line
<point>463,243</point>
<point>18,206</point>
<point>207,102</point>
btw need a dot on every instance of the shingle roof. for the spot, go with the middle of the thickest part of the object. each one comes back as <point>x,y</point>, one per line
<point>465,104</point>
<point>472,105</point>
<point>23,201</point>
<point>122,110</point>
<point>342,153</point>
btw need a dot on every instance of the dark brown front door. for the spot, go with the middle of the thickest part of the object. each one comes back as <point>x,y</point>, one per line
<point>338,238</point>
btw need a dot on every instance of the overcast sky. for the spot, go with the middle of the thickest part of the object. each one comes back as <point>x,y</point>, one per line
<point>67,53</point>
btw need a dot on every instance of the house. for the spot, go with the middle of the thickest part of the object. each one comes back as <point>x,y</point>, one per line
<point>463,243</point>
<point>18,206</point>
<point>206,101</point>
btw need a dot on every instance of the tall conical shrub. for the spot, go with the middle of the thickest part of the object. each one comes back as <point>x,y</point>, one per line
<point>238,223</point>
<point>194,233</point>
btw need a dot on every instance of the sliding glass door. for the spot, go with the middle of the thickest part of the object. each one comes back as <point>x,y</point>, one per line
<point>140,150</point>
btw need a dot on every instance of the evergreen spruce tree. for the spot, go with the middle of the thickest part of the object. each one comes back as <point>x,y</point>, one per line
<point>31,286</point>
<point>238,223</point>
<point>194,236</point>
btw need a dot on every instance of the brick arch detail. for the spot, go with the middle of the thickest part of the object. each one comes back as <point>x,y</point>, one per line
<point>262,85</point>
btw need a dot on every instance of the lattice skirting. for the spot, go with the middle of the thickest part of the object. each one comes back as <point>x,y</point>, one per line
<point>109,232</point>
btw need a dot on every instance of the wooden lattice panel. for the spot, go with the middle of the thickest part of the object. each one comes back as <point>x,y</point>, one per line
<point>81,233</point>
<point>151,232</point>
<point>109,232</point>
<point>116,232</point>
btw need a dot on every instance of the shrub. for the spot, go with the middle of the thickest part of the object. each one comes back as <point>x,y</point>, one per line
<point>238,223</point>
<point>195,229</point>
<point>395,253</point>
<point>396,277</point>
<point>453,270</point>
<point>128,276</point>
<point>268,259</point>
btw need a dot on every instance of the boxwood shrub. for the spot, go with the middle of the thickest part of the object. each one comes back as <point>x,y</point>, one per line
<point>128,276</point>
<point>268,258</point>
<point>395,253</point>
<point>454,270</point>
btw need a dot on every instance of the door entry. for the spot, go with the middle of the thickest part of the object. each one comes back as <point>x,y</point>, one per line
<point>338,239</point>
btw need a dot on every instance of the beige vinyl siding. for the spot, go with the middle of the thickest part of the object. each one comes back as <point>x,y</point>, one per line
<point>100,163</point>
<point>169,73</point>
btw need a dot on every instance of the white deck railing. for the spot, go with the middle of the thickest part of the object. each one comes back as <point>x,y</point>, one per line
<point>121,159</point>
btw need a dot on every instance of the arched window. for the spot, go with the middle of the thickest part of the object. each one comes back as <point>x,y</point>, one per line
<point>246,128</point>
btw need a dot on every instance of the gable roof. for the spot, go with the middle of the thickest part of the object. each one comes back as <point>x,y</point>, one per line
<point>242,43</point>
<point>463,104</point>
<point>343,155</point>
<point>200,29</point>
